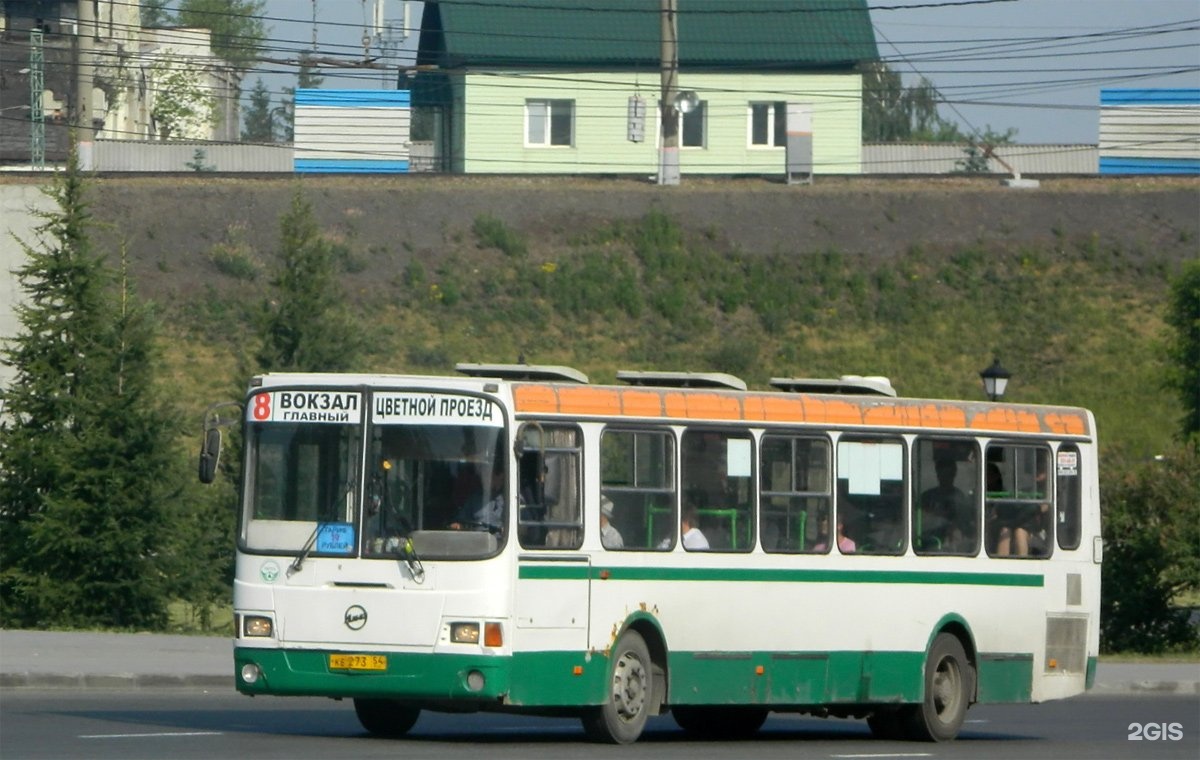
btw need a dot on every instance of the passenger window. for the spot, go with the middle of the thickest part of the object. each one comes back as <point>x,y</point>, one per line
<point>637,473</point>
<point>1018,501</point>
<point>870,505</point>
<point>794,501</point>
<point>550,474</point>
<point>1069,496</point>
<point>946,497</point>
<point>717,482</point>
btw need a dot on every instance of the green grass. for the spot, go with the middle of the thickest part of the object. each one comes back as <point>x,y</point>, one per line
<point>1073,326</point>
<point>186,618</point>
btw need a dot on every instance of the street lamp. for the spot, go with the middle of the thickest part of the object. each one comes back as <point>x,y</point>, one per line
<point>995,380</point>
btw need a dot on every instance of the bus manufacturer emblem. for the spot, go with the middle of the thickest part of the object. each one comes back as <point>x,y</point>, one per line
<point>356,617</point>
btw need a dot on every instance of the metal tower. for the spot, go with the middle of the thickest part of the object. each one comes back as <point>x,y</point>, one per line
<point>37,85</point>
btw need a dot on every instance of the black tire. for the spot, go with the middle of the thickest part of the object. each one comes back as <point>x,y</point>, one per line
<point>385,717</point>
<point>719,722</point>
<point>949,687</point>
<point>627,703</point>
<point>887,723</point>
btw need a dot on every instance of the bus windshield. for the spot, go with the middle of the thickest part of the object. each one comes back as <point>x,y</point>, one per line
<point>299,476</point>
<point>434,482</point>
<point>441,485</point>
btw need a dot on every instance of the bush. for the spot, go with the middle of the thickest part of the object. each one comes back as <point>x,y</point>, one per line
<point>493,233</point>
<point>1152,553</point>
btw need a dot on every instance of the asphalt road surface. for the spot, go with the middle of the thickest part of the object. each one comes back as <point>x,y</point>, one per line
<point>179,724</point>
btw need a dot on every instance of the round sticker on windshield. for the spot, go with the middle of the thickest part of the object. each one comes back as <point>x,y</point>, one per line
<point>269,571</point>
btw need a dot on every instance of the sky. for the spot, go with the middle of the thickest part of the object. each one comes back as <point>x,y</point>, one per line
<point>1036,66</point>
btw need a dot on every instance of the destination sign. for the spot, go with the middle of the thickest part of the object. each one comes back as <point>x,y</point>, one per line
<point>323,407</point>
<point>434,409</point>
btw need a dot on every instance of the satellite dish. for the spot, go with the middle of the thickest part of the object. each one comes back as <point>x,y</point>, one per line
<point>687,101</point>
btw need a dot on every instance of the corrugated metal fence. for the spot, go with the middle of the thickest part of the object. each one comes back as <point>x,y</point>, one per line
<point>949,158</point>
<point>158,156</point>
<point>878,158</point>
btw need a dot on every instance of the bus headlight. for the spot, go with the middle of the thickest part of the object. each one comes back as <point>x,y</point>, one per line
<point>464,633</point>
<point>258,626</point>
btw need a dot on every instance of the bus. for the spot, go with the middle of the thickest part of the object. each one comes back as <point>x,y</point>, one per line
<point>517,539</point>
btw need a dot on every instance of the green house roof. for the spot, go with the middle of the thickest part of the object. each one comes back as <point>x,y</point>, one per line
<point>751,35</point>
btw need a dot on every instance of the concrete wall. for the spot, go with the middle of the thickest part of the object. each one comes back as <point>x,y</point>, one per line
<point>16,202</point>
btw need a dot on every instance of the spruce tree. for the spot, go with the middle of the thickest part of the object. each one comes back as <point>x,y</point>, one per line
<point>260,119</point>
<point>86,440</point>
<point>304,324</point>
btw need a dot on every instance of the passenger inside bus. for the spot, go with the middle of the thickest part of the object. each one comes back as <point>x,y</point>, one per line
<point>490,515</point>
<point>689,529</point>
<point>610,537</point>
<point>845,544</point>
<point>945,509</point>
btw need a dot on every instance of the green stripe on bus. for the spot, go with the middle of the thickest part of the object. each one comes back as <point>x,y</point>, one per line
<point>744,575</point>
<point>575,678</point>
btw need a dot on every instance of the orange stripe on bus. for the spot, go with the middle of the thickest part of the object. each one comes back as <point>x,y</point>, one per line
<point>682,404</point>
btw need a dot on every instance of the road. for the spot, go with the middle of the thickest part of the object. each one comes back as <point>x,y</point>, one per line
<point>181,724</point>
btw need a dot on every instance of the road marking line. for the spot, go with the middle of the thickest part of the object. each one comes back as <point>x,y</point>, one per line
<point>891,754</point>
<point>143,736</point>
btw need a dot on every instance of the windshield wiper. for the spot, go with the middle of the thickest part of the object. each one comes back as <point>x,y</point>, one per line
<point>298,562</point>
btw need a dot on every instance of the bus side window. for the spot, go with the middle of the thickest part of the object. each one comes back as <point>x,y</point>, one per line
<point>870,516</point>
<point>794,501</point>
<point>1019,501</point>
<point>551,514</point>
<point>637,472</point>
<point>946,497</point>
<point>717,482</point>
<point>1069,496</point>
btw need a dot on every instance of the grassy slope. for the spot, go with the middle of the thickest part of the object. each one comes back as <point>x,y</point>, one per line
<point>1077,320</point>
<point>921,280</point>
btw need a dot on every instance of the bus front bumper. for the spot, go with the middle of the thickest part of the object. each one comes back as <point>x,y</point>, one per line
<point>418,677</point>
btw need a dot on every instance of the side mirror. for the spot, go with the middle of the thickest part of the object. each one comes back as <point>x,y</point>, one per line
<point>210,454</point>
<point>210,447</point>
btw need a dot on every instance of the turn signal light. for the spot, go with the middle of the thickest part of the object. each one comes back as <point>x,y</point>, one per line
<point>492,635</point>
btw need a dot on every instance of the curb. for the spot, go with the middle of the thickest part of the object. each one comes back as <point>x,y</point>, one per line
<point>1147,688</point>
<point>112,681</point>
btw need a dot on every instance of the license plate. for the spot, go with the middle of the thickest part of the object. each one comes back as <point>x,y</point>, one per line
<point>357,662</point>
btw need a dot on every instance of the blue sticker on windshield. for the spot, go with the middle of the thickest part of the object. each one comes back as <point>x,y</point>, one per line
<point>335,538</point>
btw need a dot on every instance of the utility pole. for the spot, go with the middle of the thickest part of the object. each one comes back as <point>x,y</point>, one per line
<point>668,154</point>
<point>37,116</point>
<point>84,133</point>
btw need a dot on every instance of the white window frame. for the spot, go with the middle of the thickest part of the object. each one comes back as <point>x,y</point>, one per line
<point>776,109</point>
<point>700,112</point>
<point>547,106</point>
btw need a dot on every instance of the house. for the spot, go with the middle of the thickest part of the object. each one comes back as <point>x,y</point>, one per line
<point>146,83</point>
<point>544,86</point>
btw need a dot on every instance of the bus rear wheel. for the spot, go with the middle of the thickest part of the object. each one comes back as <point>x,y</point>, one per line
<point>627,705</point>
<point>949,686</point>
<point>720,722</point>
<point>385,717</point>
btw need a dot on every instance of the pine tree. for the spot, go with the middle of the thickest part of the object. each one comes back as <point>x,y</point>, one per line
<point>1183,347</point>
<point>86,455</point>
<point>306,78</point>
<point>260,118</point>
<point>238,29</point>
<point>305,326</point>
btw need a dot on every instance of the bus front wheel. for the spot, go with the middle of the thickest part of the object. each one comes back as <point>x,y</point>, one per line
<point>627,705</point>
<point>949,685</point>
<point>385,717</point>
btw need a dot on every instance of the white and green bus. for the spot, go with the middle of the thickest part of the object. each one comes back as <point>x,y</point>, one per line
<point>510,540</point>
